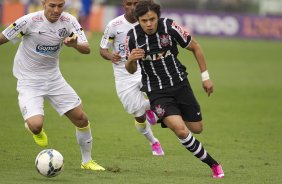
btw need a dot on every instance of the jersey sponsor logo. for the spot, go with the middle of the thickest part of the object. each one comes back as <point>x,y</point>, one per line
<point>15,28</point>
<point>63,32</point>
<point>127,52</point>
<point>64,19</point>
<point>164,40</point>
<point>181,31</point>
<point>121,48</point>
<point>37,19</point>
<point>157,56</point>
<point>47,49</point>
<point>118,22</point>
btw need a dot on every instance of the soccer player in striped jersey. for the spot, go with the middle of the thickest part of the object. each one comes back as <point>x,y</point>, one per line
<point>127,85</point>
<point>153,44</point>
<point>36,67</point>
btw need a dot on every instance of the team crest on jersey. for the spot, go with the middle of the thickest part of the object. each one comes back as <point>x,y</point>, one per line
<point>164,39</point>
<point>159,111</point>
<point>63,32</point>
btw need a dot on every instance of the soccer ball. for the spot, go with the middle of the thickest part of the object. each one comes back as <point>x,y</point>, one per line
<point>49,162</point>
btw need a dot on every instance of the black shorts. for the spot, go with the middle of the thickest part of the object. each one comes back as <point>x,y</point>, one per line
<point>177,100</point>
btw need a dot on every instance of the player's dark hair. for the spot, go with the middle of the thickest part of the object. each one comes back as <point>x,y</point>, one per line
<point>144,6</point>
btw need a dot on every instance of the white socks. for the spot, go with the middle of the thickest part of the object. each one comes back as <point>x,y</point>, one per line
<point>84,139</point>
<point>145,129</point>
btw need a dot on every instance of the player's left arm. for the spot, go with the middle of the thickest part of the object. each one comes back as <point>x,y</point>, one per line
<point>77,38</point>
<point>3,39</point>
<point>82,47</point>
<point>184,39</point>
<point>195,47</point>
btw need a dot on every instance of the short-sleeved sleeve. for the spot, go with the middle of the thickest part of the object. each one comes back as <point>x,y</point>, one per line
<point>17,29</point>
<point>107,38</point>
<point>77,29</point>
<point>179,33</point>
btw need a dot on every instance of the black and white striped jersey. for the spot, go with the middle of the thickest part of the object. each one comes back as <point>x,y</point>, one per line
<point>160,66</point>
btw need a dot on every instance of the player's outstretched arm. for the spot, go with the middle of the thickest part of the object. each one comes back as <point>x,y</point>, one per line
<point>83,48</point>
<point>3,39</point>
<point>195,47</point>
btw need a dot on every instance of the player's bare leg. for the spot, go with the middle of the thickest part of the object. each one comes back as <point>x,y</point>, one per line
<point>34,125</point>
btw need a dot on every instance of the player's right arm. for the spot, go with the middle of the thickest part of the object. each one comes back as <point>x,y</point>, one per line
<point>15,31</point>
<point>107,43</point>
<point>133,54</point>
<point>3,39</point>
<point>113,57</point>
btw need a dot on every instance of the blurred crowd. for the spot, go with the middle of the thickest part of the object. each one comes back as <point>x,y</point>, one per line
<point>218,5</point>
<point>81,7</point>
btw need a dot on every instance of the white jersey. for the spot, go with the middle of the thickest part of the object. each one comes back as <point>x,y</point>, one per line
<point>114,37</point>
<point>38,53</point>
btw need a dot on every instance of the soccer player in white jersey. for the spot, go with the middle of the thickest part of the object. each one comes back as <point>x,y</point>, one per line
<point>128,85</point>
<point>36,67</point>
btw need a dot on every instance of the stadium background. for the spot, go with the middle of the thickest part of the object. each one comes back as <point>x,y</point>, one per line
<point>242,44</point>
<point>231,18</point>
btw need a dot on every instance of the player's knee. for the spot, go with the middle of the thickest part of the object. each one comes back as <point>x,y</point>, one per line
<point>182,133</point>
<point>196,131</point>
<point>83,117</point>
<point>83,121</point>
<point>195,127</point>
<point>80,120</point>
<point>140,119</point>
<point>34,124</point>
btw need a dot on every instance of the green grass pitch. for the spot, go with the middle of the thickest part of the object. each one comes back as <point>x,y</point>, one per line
<point>243,121</point>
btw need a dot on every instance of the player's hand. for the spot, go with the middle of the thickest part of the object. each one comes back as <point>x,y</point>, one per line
<point>71,41</point>
<point>208,86</point>
<point>136,54</point>
<point>116,58</point>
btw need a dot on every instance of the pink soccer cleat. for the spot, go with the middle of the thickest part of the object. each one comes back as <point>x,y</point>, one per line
<point>217,171</point>
<point>151,118</point>
<point>157,149</point>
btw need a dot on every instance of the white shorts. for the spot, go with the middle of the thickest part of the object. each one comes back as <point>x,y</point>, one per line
<point>132,99</point>
<point>58,92</point>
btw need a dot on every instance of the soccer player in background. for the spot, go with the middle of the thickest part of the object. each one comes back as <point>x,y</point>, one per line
<point>128,85</point>
<point>36,67</point>
<point>153,44</point>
